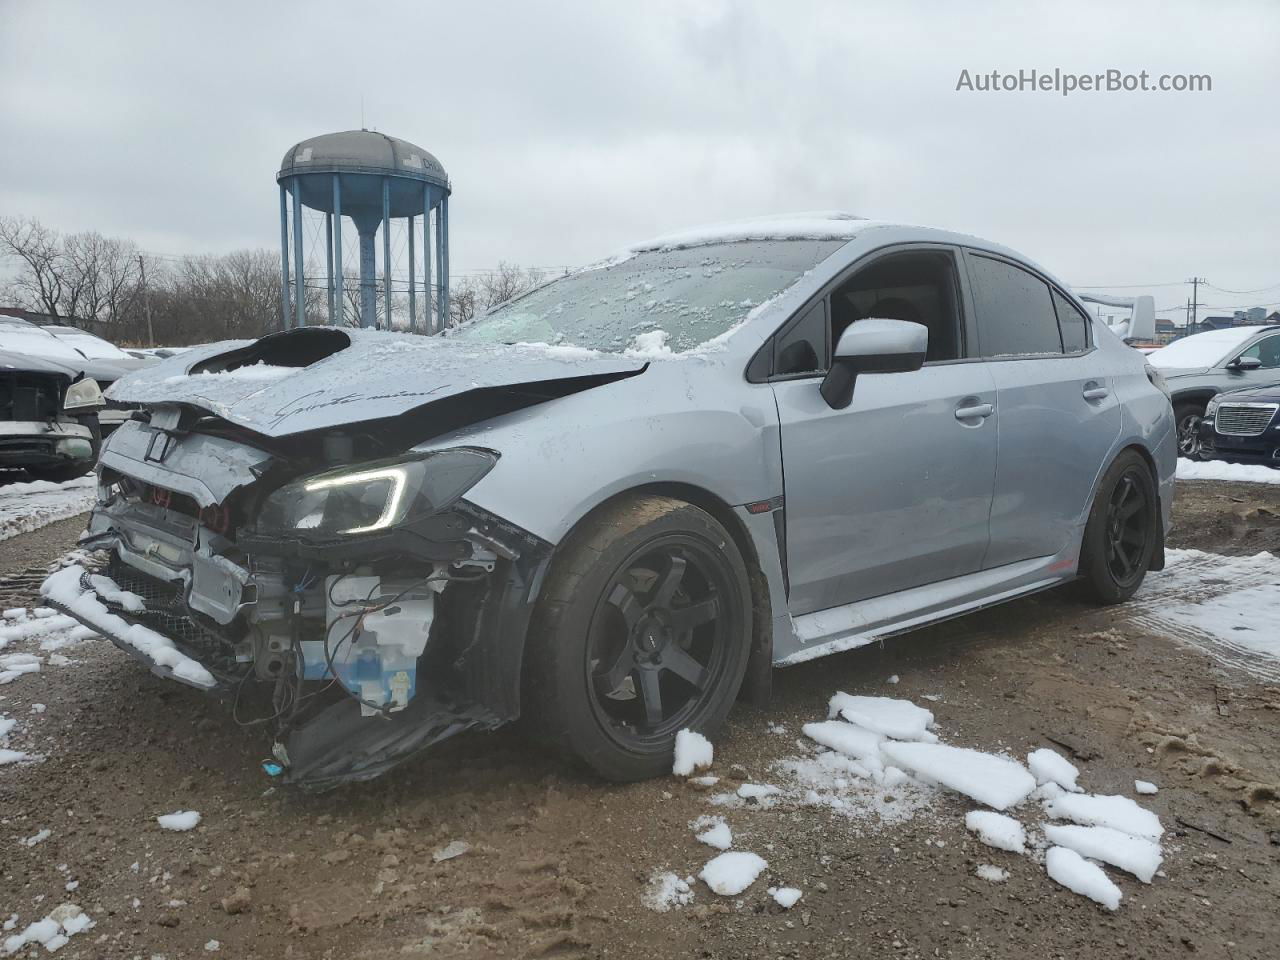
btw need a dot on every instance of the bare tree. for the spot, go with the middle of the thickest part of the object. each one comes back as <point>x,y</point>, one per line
<point>39,282</point>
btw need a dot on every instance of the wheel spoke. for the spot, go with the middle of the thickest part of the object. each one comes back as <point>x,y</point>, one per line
<point>686,618</point>
<point>670,582</point>
<point>678,661</point>
<point>1130,508</point>
<point>651,695</point>
<point>626,603</point>
<point>608,681</point>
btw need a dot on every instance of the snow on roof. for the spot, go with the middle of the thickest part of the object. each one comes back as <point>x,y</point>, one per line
<point>1202,349</point>
<point>810,225</point>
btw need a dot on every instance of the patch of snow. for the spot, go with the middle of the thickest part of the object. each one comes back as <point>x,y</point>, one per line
<point>451,850</point>
<point>785,897</point>
<point>893,679</point>
<point>1145,786</point>
<point>1136,855</point>
<point>714,832</point>
<point>1221,470</point>
<point>213,946</point>
<point>704,781</point>
<point>1116,812</point>
<point>988,871</point>
<point>1049,766</point>
<point>1200,349</point>
<point>693,752</point>
<point>651,345</point>
<point>666,891</point>
<point>849,740</point>
<point>757,791</point>
<point>64,587</point>
<point>13,756</point>
<point>731,873</point>
<point>39,837</point>
<point>832,225</point>
<point>1080,876</point>
<point>15,665</point>
<point>989,779</point>
<point>997,830</point>
<point>180,821</point>
<point>900,719</point>
<point>53,932</point>
<point>29,506</point>
<point>7,725</point>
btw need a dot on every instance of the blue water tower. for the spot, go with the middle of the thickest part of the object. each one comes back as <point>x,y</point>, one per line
<point>374,181</point>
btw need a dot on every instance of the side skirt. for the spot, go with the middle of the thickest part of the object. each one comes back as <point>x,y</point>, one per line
<point>866,621</point>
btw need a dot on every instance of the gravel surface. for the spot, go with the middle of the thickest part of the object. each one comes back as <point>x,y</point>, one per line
<point>557,864</point>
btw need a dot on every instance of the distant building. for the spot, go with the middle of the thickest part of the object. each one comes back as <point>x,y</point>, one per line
<point>1216,323</point>
<point>1167,331</point>
<point>1272,317</point>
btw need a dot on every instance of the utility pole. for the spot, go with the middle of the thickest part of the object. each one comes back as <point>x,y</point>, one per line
<point>146,301</point>
<point>1195,290</point>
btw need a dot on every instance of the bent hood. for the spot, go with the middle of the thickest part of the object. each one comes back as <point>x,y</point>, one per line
<point>315,378</point>
<point>26,363</point>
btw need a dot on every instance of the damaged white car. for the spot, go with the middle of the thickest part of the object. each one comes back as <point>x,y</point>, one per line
<point>615,503</point>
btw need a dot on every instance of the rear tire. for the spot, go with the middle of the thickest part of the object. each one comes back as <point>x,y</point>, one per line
<point>1121,535</point>
<point>643,629</point>
<point>1187,417</point>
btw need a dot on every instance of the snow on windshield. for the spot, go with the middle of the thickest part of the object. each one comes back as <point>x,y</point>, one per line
<point>1202,349</point>
<point>95,348</point>
<point>34,342</point>
<point>693,295</point>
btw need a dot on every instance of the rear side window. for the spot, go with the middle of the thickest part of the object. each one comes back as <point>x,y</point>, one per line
<point>1015,310</point>
<point>1073,324</point>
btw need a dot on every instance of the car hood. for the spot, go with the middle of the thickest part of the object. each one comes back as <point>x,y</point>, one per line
<point>1266,394</point>
<point>25,363</point>
<point>317,378</point>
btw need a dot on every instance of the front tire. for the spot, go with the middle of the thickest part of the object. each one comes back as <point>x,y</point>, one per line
<point>1187,417</point>
<point>1121,534</point>
<point>643,630</point>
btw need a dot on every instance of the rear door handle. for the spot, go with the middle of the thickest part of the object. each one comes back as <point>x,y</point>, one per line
<point>1095,392</point>
<point>977,411</point>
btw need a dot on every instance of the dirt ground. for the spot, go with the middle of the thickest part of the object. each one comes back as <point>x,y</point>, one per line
<point>559,862</point>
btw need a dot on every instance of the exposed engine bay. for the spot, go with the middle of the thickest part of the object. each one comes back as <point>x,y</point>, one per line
<point>380,610</point>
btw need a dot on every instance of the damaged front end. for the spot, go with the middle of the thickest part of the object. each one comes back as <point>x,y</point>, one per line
<point>380,610</point>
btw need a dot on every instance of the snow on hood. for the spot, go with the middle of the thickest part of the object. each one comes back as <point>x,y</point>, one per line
<point>819,225</point>
<point>1201,350</point>
<point>378,375</point>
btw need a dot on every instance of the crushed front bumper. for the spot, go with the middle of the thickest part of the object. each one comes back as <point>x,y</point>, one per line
<point>44,443</point>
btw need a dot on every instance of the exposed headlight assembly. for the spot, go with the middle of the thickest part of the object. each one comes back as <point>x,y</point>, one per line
<point>83,395</point>
<point>1212,407</point>
<point>372,497</point>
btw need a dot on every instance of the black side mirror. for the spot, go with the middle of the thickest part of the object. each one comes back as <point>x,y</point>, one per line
<point>873,345</point>
<point>1244,363</point>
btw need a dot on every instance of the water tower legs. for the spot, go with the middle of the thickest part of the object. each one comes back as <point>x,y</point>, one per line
<point>368,275</point>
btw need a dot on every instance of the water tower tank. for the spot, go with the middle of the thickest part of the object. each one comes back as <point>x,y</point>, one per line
<point>374,181</point>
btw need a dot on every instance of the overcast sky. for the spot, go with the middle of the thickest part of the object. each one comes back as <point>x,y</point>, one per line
<point>570,129</point>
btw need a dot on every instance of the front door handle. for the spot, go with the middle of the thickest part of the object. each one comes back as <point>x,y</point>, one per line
<point>1095,392</point>
<point>975,412</point>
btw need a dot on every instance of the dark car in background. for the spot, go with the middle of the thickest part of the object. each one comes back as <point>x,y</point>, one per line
<point>1199,367</point>
<point>1243,426</point>
<point>48,417</point>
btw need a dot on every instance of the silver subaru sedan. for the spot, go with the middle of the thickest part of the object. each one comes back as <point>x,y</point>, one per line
<point>613,505</point>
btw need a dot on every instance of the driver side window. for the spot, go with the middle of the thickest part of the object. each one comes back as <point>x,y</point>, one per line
<point>1266,351</point>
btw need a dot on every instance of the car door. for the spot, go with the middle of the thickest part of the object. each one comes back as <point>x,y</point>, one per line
<point>1059,416</point>
<point>893,491</point>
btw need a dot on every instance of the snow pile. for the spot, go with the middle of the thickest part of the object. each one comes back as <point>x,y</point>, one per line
<point>29,506</point>
<point>853,742</point>
<point>1221,470</point>
<point>64,588</point>
<point>987,778</point>
<point>900,719</point>
<point>1118,813</point>
<point>181,821</point>
<point>1135,855</point>
<point>997,830</point>
<point>1080,876</point>
<point>1048,766</point>
<point>693,752</point>
<point>713,831</point>
<point>731,873</point>
<point>785,897</point>
<point>53,932</point>
<point>651,345</point>
<point>15,665</point>
<point>758,791</point>
<point>666,890</point>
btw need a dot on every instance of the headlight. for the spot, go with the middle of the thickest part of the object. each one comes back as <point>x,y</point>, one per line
<point>373,496</point>
<point>1212,406</point>
<point>83,395</point>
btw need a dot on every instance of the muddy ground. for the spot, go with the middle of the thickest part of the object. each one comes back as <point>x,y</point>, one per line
<point>559,862</point>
